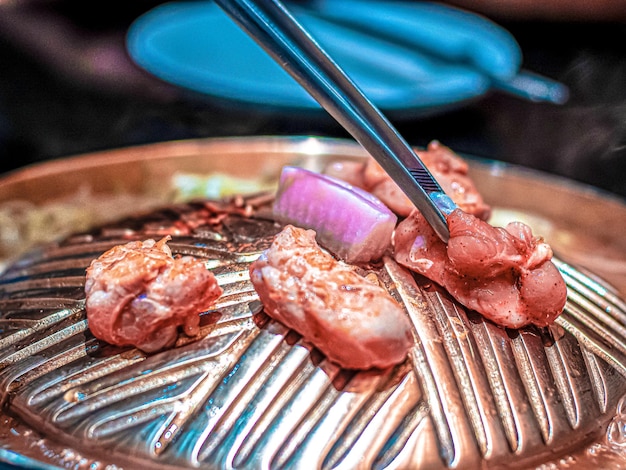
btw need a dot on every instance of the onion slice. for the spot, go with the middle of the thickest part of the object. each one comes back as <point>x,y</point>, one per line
<point>349,222</point>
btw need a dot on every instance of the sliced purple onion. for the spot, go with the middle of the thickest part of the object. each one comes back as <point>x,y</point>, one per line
<point>351,223</point>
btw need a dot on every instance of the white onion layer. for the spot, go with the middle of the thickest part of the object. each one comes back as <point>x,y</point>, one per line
<point>349,222</point>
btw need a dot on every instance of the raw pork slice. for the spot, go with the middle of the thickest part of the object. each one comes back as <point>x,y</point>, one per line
<point>503,273</point>
<point>353,321</point>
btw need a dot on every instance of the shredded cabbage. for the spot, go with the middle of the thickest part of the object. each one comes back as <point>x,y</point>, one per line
<point>189,186</point>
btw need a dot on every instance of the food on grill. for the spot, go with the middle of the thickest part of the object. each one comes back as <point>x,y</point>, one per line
<point>349,222</point>
<point>503,273</point>
<point>352,320</point>
<point>138,294</point>
<point>450,171</point>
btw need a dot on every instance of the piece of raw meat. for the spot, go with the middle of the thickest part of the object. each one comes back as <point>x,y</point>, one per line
<point>353,321</point>
<point>506,274</point>
<point>138,294</point>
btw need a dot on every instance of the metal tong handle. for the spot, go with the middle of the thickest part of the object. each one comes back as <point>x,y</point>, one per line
<point>270,24</point>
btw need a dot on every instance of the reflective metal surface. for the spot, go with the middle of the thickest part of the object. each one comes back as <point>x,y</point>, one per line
<point>250,394</point>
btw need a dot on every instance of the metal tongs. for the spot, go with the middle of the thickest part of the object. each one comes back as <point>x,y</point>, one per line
<point>271,25</point>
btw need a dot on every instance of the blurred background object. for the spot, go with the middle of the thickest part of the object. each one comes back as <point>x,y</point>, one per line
<point>69,86</point>
<point>551,10</point>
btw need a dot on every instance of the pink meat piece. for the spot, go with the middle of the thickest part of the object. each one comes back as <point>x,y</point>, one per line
<point>450,171</point>
<point>506,274</point>
<point>138,294</point>
<point>353,321</point>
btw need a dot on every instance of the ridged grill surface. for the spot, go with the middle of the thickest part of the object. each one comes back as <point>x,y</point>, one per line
<point>248,393</point>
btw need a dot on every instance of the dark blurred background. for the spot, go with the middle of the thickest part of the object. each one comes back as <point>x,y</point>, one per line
<point>67,86</point>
